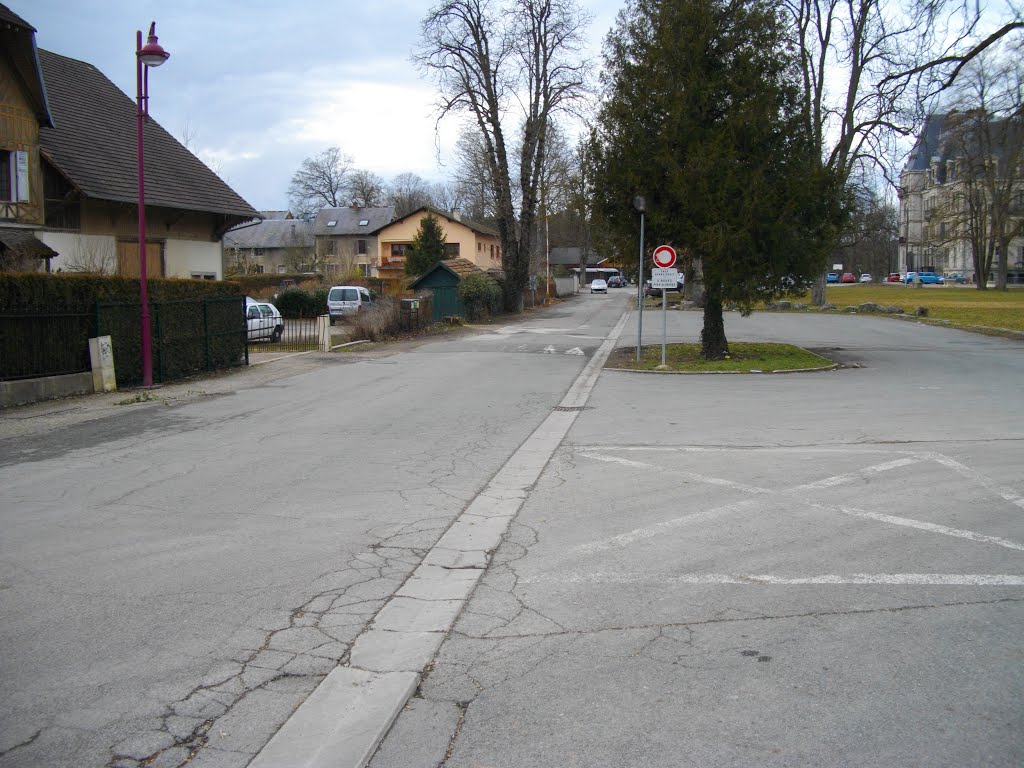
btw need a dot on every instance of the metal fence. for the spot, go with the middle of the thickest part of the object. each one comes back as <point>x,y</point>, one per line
<point>33,345</point>
<point>282,334</point>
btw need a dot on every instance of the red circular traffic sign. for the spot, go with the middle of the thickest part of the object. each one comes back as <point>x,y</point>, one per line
<point>664,256</point>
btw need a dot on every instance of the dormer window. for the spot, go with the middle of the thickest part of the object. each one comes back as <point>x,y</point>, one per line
<point>332,223</point>
<point>364,222</point>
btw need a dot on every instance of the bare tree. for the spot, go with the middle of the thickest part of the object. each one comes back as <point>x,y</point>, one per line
<point>491,58</point>
<point>984,175</point>
<point>472,176</point>
<point>320,182</point>
<point>366,188</point>
<point>92,255</point>
<point>868,68</point>
<point>446,196</point>
<point>407,192</point>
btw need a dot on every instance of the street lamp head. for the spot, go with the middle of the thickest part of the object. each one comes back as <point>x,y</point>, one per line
<point>640,203</point>
<point>152,53</point>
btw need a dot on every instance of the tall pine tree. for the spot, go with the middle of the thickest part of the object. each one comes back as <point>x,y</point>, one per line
<point>428,246</point>
<point>701,115</point>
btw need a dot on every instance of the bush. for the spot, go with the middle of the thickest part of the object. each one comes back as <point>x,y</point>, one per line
<point>295,302</point>
<point>480,295</point>
<point>380,321</point>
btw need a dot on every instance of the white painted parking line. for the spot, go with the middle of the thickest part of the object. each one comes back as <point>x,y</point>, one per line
<point>907,522</point>
<point>769,579</point>
<point>799,493</point>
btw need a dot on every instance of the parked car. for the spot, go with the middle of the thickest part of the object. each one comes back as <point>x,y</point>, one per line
<point>956,277</point>
<point>926,278</point>
<point>865,278</point>
<point>894,277</point>
<point>848,277</point>
<point>263,321</point>
<point>598,286</point>
<point>616,281</point>
<point>832,277</point>
<point>347,300</point>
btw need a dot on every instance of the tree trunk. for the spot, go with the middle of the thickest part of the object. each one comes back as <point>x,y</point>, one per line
<point>713,345</point>
<point>818,292</point>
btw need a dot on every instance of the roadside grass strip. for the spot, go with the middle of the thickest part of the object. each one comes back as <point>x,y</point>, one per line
<point>743,357</point>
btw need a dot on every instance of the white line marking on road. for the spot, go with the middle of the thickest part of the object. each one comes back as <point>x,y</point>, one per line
<point>979,478</point>
<point>639,534</point>
<point>835,480</point>
<point>923,526</point>
<point>768,579</point>
<point>574,351</point>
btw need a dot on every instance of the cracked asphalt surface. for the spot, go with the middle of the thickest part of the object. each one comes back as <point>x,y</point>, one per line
<point>785,570</point>
<point>178,575</point>
<point>805,570</point>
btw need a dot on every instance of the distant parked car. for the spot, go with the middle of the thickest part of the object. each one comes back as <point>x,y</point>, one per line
<point>894,277</point>
<point>598,286</point>
<point>848,277</point>
<point>956,277</point>
<point>926,278</point>
<point>263,321</point>
<point>347,300</point>
<point>616,281</point>
<point>865,278</point>
<point>832,277</point>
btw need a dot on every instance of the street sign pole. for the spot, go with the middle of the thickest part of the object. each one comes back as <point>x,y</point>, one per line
<point>640,297</point>
<point>664,323</point>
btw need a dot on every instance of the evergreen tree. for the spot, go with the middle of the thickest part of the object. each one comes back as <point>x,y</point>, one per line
<point>702,116</point>
<point>428,246</point>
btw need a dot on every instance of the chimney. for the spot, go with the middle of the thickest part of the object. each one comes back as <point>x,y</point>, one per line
<point>456,214</point>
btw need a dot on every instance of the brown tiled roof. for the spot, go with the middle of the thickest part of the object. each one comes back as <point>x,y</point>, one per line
<point>94,144</point>
<point>24,243</point>
<point>461,267</point>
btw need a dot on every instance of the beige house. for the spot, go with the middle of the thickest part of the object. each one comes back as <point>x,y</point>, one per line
<point>68,174</point>
<point>477,243</point>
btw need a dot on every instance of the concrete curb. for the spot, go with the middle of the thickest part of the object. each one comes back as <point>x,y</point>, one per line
<point>343,721</point>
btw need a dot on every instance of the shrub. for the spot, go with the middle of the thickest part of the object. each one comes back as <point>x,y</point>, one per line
<point>295,302</point>
<point>480,295</point>
<point>378,322</point>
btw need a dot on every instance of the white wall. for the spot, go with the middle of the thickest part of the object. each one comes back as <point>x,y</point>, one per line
<point>81,253</point>
<point>182,258</point>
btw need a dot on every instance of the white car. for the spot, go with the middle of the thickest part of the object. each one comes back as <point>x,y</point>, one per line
<point>866,278</point>
<point>598,286</point>
<point>347,300</point>
<point>263,321</point>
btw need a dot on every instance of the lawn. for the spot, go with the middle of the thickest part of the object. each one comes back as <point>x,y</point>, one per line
<point>962,305</point>
<point>744,357</point>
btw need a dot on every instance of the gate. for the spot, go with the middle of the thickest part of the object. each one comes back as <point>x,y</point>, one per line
<point>447,303</point>
<point>269,333</point>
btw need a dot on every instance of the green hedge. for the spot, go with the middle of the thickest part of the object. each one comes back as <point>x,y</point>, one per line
<point>195,325</point>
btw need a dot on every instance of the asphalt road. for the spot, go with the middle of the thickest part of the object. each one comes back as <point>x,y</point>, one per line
<point>812,569</point>
<point>178,575</point>
<point>799,570</point>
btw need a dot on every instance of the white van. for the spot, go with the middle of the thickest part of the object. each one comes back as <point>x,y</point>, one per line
<point>347,300</point>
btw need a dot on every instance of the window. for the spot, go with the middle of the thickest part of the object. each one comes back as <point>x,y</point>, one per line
<point>280,269</point>
<point>364,222</point>
<point>332,223</point>
<point>329,247</point>
<point>259,251</point>
<point>204,276</point>
<point>399,249</point>
<point>6,177</point>
<point>479,247</point>
<point>364,269</point>
<point>259,269</point>
<point>451,249</point>
<point>361,247</point>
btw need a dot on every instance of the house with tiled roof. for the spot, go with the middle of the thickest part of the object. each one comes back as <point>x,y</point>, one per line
<point>442,282</point>
<point>270,246</point>
<point>69,138</point>
<point>477,243</point>
<point>346,239</point>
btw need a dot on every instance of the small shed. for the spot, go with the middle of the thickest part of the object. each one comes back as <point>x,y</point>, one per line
<point>442,280</point>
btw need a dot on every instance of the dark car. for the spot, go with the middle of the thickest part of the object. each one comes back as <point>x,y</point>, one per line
<point>616,281</point>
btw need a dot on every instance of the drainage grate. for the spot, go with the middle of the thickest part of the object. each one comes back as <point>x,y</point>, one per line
<point>569,407</point>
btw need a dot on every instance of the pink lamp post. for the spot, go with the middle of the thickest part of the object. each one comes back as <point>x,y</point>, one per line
<point>146,56</point>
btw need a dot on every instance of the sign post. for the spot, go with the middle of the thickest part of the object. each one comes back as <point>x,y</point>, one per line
<point>664,276</point>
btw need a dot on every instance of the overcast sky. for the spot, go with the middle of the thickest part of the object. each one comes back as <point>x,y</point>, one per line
<point>262,85</point>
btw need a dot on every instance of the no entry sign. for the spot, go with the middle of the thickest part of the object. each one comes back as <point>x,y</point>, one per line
<point>664,256</point>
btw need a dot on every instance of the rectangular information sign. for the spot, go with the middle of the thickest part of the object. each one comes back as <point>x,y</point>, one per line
<point>664,278</point>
